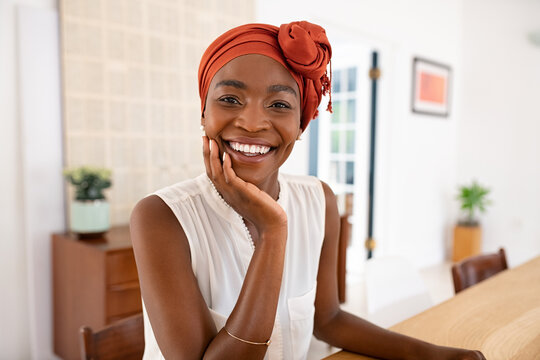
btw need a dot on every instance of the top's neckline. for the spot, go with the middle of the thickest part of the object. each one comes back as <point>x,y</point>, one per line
<point>226,211</point>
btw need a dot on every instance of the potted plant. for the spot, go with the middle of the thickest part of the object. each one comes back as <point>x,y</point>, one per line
<point>468,232</point>
<point>90,211</point>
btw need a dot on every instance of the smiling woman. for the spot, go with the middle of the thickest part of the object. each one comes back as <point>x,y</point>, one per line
<point>240,262</point>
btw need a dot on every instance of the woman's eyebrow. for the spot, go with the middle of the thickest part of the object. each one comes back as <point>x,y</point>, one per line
<point>234,83</point>
<point>278,88</point>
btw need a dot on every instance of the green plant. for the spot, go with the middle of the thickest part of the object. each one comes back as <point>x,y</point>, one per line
<point>473,198</point>
<point>89,182</point>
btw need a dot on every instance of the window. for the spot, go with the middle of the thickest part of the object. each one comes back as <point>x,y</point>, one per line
<point>342,130</point>
<point>338,142</point>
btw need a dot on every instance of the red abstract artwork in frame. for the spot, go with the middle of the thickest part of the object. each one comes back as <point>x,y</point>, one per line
<point>431,87</point>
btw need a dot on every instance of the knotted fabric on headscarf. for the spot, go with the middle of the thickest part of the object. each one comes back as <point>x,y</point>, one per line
<point>301,47</point>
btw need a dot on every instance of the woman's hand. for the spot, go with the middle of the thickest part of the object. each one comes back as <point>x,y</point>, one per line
<point>245,198</point>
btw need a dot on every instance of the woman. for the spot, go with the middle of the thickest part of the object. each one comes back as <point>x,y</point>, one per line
<point>240,262</point>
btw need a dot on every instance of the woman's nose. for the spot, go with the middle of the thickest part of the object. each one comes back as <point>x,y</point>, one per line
<point>253,118</point>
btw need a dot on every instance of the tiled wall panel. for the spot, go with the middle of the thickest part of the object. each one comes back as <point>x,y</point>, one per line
<point>130,88</point>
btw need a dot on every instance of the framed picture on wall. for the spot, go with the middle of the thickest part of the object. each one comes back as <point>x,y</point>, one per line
<point>431,87</point>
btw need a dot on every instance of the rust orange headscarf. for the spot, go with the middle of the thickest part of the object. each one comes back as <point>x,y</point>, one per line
<point>300,46</point>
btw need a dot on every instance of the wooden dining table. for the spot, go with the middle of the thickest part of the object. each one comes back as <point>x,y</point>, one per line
<point>499,316</point>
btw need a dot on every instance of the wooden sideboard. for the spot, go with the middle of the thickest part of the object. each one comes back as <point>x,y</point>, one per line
<point>95,282</point>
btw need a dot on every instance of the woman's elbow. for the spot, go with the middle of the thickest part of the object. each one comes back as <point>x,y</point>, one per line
<point>323,326</point>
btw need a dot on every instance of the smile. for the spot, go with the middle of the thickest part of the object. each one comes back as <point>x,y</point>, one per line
<point>249,150</point>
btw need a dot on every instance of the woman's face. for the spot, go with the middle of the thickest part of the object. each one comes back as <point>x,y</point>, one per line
<point>253,113</point>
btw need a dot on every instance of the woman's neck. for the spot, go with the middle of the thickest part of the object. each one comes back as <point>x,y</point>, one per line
<point>270,186</point>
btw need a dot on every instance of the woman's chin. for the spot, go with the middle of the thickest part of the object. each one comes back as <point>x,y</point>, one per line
<point>254,177</point>
<point>248,176</point>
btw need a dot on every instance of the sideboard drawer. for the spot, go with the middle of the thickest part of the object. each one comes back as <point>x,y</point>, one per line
<point>126,301</point>
<point>121,267</point>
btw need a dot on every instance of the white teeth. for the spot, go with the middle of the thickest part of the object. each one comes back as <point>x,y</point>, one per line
<point>251,149</point>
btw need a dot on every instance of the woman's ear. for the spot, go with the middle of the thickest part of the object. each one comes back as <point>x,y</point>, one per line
<point>202,124</point>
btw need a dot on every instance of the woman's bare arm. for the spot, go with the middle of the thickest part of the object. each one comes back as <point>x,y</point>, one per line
<point>349,332</point>
<point>181,321</point>
<point>180,318</point>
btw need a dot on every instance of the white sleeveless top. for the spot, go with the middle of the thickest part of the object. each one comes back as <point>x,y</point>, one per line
<point>221,250</point>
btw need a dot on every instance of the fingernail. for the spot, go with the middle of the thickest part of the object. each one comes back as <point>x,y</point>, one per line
<point>210,145</point>
<point>224,156</point>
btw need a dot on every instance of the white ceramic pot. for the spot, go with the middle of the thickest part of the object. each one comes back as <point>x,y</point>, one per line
<point>92,216</point>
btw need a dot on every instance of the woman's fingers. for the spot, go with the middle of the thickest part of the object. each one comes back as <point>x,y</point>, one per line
<point>214,167</point>
<point>211,160</point>
<point>233,180</point>
<point>228,172</point>
<point>227,168</point>
<point>215,164</point>
<point>236,187</point>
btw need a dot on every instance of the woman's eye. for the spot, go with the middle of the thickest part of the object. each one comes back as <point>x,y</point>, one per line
<point>280,105</point>
<point>230,100</point>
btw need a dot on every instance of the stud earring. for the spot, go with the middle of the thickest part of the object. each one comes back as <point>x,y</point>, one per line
<point>299,138</point>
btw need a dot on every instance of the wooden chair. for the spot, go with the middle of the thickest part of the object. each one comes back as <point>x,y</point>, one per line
<point>123,339</point>
<point>344,235</point>
<point>477,268</point>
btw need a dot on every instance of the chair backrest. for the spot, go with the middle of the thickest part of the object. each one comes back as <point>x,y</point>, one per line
<point>474,269</point>
<point>344,236</point>
<point>123,339</point>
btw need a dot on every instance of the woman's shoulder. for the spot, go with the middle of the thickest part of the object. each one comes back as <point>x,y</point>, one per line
<point>153,220</point>
<point>158,208</point>
<point>182,189</point>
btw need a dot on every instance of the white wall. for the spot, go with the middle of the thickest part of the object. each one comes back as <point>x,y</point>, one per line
<point>500,123</point>
<point>41,139</point>
<point>31,160</point>
<point>14,336</point>
<point>416,154</point>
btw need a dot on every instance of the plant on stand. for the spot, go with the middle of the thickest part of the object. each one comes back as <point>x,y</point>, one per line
<point>468,232</point>
<point>90,211</point>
